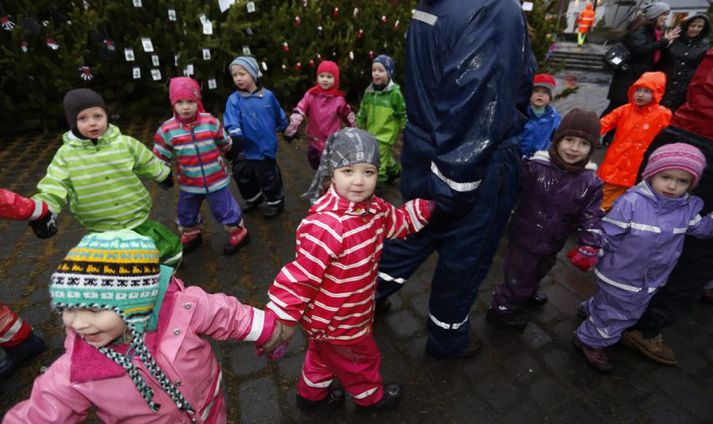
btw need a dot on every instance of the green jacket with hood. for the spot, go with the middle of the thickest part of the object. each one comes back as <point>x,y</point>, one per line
<point>101,181</point>
<point>383,113</point>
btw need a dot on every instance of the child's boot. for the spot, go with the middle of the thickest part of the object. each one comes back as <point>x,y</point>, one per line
<point>273,210</point>
<point>513,320</point>
<point>595,356</point>
<point>239,237</point>
<point>334,398</point>
<point>538,298</point>
<point>16,355</point>
<point>391,398</point>
<point>191,237</point>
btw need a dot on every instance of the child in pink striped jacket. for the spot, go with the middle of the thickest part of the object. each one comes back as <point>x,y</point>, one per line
<point>196,139</point>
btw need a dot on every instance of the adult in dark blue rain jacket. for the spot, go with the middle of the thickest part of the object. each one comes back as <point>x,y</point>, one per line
<point>468,79</point>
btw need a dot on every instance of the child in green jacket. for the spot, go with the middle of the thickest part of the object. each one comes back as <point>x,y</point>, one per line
<point>383,113</point>
<point>97,172</point>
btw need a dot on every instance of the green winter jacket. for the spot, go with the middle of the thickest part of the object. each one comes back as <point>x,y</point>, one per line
<point>101,182</point>
<point>383,113</point>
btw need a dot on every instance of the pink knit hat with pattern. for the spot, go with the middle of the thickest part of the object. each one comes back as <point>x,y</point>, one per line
<point>679,156</point>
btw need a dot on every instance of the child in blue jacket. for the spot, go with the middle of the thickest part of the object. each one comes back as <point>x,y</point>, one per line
<point>252,117</point>
<point>542,118</point>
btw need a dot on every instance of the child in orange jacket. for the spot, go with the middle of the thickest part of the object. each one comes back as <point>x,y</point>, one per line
<point>636,123</point>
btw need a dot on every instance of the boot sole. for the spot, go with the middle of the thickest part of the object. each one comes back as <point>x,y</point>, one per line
<point>633,344</point>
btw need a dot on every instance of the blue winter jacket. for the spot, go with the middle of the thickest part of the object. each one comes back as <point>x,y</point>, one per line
<point>538,131</point>
<point>251,120</point>
<point>644,235</point>
<point>468,81</point>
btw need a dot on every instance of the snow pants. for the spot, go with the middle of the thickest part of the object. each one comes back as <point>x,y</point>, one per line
<point>258,180</point>
<point>466,246</point>
<point>356,366</point>
<point>523,272</point>
<point>222,205</point>
<point>610,312</point>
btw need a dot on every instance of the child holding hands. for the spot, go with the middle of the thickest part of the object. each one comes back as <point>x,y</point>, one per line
<point>382,112</point>
<point>135,346</point>
<point>252,116</point>
<point>329,288</point>
<point>97,172</point>
<point>644,234</point>
<point>637,123</point>
<point>197,138</point>
<point>325,108</point>
<point>560,193</point>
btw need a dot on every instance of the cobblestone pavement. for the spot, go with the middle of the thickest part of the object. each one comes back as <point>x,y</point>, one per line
<point>535,376</point>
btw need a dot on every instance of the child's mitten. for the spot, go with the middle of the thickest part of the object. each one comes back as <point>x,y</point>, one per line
<point>584,257</point>
<point>167,183</point>
<point>45,226</point>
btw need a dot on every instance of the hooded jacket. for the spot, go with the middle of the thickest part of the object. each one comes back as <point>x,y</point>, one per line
<point>468,81</point>
<point>329,288</point>
<point>586,19</point>
<point>636,128</point>
<point>553,203</point>
<point>644,235</point>
<point>382,112</point>
<point>325,113</point>
<point>680,60</point>
<point>101,182</point>
<point>83,377</point>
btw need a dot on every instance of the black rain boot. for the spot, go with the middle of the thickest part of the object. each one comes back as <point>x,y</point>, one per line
<point>391,398</point>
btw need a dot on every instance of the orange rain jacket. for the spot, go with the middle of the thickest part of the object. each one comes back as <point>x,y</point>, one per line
<point>635,127</point>
<point>586,19</point>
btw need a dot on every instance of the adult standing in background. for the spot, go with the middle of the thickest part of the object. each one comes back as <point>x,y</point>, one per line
<point>585,22</point>
<point>681,59</point>
<point>468,78</point>
<point>645,37</point>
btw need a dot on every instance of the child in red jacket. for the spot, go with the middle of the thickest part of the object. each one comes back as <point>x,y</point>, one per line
<point>329,288</point>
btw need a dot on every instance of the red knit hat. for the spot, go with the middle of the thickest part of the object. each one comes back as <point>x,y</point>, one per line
<point>681,156</point>
<point>544,80</point>
<point>330,67</point>
<point>184,88</point>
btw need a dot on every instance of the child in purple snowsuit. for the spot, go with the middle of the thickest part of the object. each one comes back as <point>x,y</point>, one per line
<point>643,235</point>
<point>560,193</point>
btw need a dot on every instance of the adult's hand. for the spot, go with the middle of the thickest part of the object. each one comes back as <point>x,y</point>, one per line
<point>672,34</point>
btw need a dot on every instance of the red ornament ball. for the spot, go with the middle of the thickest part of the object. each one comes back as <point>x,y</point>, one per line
<point>285,47</point>
<point>298,21</point>
<point>360,33</point>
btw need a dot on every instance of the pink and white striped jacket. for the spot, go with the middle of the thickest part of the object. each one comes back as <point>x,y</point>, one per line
<point>329,288</point>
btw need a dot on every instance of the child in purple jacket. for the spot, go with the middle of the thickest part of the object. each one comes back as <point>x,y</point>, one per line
<point>560,193</point>
<point>325,108</point>
<point>643,235</point>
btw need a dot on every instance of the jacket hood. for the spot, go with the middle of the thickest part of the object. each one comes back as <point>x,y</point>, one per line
<point>654,81</point>
<point>331,201</point>
<point>70,139</point>
<point>589,6</point>
<point>389,86</point>
<point>706,26</point>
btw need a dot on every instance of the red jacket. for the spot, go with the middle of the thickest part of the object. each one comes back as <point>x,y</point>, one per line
<point>329,287</point>
<point>586,19</point>
<point>636,128</point>
<point>696,115</point>
<point>14,206</point>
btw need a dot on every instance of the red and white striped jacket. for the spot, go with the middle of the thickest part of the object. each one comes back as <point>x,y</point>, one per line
<point>329,288</point>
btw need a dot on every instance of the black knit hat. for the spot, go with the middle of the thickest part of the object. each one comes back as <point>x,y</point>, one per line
<point>79,99</point>
<point>579,123</point>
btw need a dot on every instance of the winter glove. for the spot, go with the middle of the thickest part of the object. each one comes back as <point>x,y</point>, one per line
<point>584,257</point>
<point>45,226</point>
<point>167,183</point>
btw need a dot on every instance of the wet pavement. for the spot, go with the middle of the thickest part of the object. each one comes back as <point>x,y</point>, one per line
<point>535,376</point>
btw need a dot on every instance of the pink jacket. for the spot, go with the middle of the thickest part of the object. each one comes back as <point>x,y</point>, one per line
<point>83,377</point>
<point>324,113</point>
